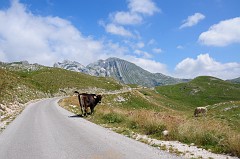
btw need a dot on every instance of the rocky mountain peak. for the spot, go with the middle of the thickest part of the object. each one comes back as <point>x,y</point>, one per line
<point>121,70</point>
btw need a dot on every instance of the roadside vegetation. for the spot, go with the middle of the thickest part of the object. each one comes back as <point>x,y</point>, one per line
<point>141,110</point>
<point>150,112</point>
<point>22,83</point>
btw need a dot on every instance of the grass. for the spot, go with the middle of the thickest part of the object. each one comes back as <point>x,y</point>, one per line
<point>201,91</point>
<point>25,85</point>
<point>53,79</point>
<point>143,111</point>
<point>228,112</point>
<point>14,88</point>
<point>149,112</point>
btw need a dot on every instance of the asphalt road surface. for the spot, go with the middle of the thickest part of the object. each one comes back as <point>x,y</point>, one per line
<point>46,131</point>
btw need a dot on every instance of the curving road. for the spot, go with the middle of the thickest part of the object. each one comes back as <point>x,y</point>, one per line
<point>46,131</point>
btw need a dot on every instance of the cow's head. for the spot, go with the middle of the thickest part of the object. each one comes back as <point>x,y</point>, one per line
<point>98,98</point>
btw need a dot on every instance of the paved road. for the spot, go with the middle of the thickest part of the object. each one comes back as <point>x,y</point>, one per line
<point>46,131</point>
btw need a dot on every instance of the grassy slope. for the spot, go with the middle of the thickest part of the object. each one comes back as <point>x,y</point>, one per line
<point>22,85</point>
<point>13,88</point>
<point>171,107</point>
<point>48,80</point>
<point>146,111</point>
<point>53,79</point>
<point>201,91</point>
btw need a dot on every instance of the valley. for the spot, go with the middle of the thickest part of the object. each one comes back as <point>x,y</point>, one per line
<point>132,109</point>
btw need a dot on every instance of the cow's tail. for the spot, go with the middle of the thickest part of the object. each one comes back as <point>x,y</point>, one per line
<point>76,92</point>
<point>79,100</point>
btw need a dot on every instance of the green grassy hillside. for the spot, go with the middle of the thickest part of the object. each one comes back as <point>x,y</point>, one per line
<point>201,91</point>
<point>24,83</point>
<point>146,111</point>
<point>14,88</point>
<point>171,108</point>
<point>53,79</point>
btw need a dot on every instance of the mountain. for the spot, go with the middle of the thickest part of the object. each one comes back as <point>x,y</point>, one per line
<point>72,66</point>
<point>21,66</point>
<point>121,70</point>
<point>235,80</point>
<point>21,82</point>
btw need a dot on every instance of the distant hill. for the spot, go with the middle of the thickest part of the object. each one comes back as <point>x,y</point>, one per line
<point>21,81</point>
<point>121,70</point>
<point>236,80</point>
<point>202,91</point>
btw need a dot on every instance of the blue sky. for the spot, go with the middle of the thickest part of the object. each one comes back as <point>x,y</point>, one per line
<point>179,38</point>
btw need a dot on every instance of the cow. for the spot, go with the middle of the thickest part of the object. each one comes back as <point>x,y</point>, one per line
<point>88,100</point>
<point>199,110</point>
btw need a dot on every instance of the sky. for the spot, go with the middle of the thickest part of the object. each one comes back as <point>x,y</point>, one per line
<point>183,39</point>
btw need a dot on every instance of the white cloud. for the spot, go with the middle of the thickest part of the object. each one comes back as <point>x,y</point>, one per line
<point>192,20</point>
<point>157,50</point>
<point>134,16</point>
<point>126,18</point>
<point>222,34</point>
<point>180,47</point>
<point>144,54</point>
<point>150,65</point>
<point>147,7</point>
<point>205,65</point>
<point>118,30</point>
<point>44,40</point>
<point>152,42</point>
<point>140,45</point>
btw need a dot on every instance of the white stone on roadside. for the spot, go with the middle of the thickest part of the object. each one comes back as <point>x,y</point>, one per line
<point>165,132</point>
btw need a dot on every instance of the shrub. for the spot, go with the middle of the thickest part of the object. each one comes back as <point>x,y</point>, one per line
<point>154,129</point>
<point>233,144</point>
<point>113,118</point>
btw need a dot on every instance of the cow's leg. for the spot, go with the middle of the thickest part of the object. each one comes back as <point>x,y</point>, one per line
<point>80,103</point>
<point>83,105</point>
<point>92,110</point>
<point>82,109</point>
<point>204,113</point>
<point>85,113</point>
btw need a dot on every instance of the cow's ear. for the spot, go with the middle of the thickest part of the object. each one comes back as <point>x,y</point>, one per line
<point>95,97</point>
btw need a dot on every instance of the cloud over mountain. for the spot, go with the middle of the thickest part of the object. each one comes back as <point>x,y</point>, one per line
<point>47,39</point>
<point>222,34</point>
<point>206,65</point>
<point>137,10</point>
<point>25,36</point>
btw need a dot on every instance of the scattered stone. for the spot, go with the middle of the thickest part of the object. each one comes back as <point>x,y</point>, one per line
<point>184,150</point>
<point>119,99</point>
<point>165,132</point>
<point>229,108</point>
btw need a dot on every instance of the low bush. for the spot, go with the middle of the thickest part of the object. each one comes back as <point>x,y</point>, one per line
<point>112,118</point>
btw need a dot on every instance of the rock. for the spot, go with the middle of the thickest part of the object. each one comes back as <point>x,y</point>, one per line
<point>119,99</point>
<point>165,132</point>
<point>121,70</point>
<point>192,144</point>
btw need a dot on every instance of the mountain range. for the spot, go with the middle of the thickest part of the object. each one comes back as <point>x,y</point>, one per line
<point>121,70</point>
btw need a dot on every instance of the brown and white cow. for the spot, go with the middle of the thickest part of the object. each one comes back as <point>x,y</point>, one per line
<point>200,110</point>
<point>88,100</point>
